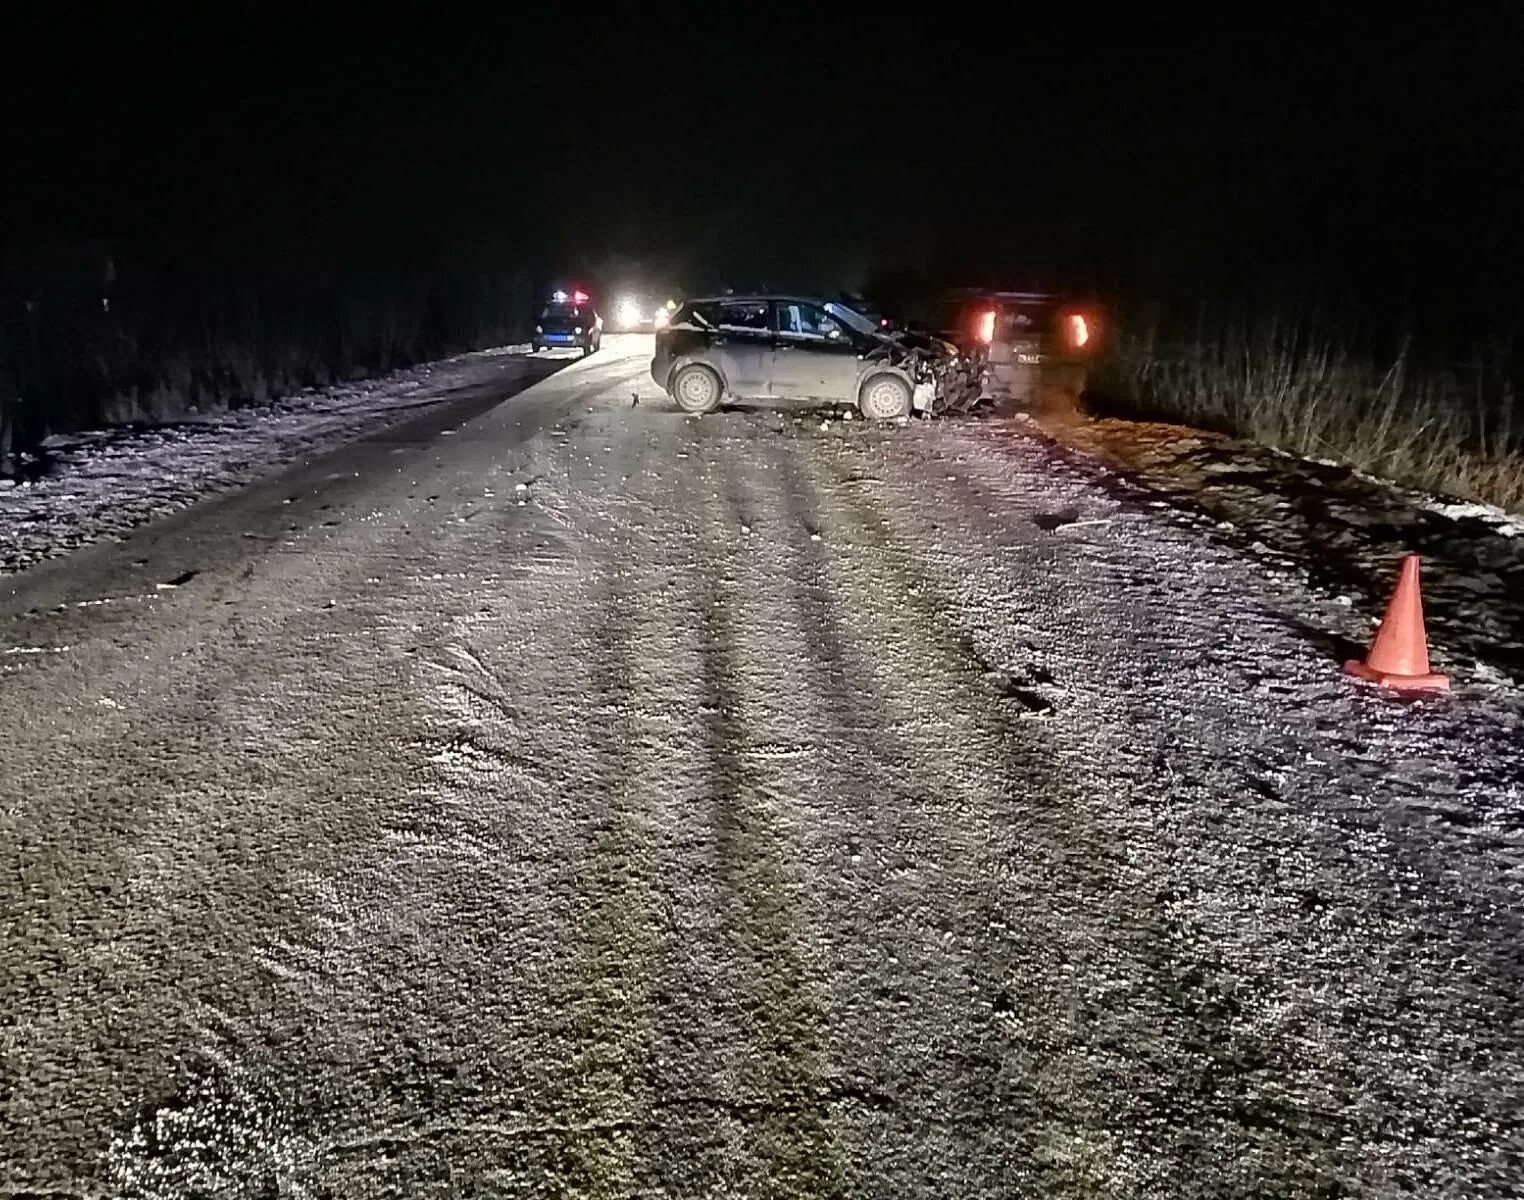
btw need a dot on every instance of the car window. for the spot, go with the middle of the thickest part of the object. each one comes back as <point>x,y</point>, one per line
<point>1019,322</point>
<point>706,314</point>
<point>852,318</point>
<point>744,314</point>
<point>806,320</point>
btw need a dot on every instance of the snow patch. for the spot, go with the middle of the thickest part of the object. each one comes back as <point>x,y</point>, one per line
<point>103,483</point>
<point>222,1136</point>
<point>1502,522</point>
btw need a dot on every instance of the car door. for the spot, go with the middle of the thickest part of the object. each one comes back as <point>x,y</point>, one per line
<point>743,346</point>
<point>815,356</point>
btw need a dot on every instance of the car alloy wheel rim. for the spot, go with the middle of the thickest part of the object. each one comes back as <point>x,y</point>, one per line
<point>883,399</point>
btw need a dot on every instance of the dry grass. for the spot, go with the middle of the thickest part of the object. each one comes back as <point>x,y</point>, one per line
<point>1451,433</point>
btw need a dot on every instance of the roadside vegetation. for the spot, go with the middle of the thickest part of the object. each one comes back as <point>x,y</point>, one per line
<point>1456,431</point>
<point>85,357</point>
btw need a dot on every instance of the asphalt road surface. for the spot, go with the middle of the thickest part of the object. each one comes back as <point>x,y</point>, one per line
<point>589,800</point>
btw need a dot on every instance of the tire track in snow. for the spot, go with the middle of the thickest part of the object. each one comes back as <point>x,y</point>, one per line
<point>781,1091</point>
<point>1118,978</point>
<point>646,673</point>
<point>619,1038</point>
<point>1014,1089</point>
<point>947,923</point>
<point>918,923</point>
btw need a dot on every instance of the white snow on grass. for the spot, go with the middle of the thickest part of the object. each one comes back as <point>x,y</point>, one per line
<point>103,483</point>
<point>1504,523</point>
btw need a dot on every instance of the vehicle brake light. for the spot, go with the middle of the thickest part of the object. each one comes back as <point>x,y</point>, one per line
<point>579,297</point>
<point>986,327</point>
<point>1079,330</point>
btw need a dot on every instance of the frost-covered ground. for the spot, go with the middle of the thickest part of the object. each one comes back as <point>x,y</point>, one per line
<point>1341,531</point>
<point>103,484</point>
<point>600,801</point>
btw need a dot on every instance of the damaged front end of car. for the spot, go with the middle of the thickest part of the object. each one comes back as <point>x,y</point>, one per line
<point>944,380</point>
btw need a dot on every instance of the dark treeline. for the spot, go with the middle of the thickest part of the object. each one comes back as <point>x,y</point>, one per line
<point>96,333</point>
<point>103,332</point>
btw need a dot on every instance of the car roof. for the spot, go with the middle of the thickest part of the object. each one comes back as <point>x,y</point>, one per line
<point>762,297</point>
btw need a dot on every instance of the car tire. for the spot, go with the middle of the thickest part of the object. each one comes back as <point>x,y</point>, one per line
<point>535,347</point>
<point>884,398</point>
<point>697,389</point>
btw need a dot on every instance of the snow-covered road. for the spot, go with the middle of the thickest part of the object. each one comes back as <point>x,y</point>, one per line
<point>105,483</point>
<point>599,801</point>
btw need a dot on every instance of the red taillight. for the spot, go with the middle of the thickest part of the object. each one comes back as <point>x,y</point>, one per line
<point>1078,329</point>
<point>579,297</point>
<point>985,330</point>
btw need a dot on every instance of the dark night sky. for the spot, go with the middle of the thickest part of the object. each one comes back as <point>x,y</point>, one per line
<point>790,146</point>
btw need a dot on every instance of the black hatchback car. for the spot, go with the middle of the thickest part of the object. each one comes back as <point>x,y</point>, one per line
<point>804,348</point>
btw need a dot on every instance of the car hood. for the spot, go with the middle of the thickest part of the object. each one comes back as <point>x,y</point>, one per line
<point>926,343</point>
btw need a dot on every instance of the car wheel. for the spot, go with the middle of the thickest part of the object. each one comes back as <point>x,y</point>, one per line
<point>884,398</point>
<point>697,389</point>
<point>535,347</point>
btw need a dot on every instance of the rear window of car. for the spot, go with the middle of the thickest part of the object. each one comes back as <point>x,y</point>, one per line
<point>1023,320</point>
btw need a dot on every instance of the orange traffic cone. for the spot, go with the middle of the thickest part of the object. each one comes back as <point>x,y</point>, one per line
<point>1399,657</point>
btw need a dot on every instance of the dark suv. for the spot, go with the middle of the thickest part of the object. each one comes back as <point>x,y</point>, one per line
<point>803,348</point>
<point>1037,348</point>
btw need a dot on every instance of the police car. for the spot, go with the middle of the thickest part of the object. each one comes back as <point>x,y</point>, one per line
<point>568,320</point>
